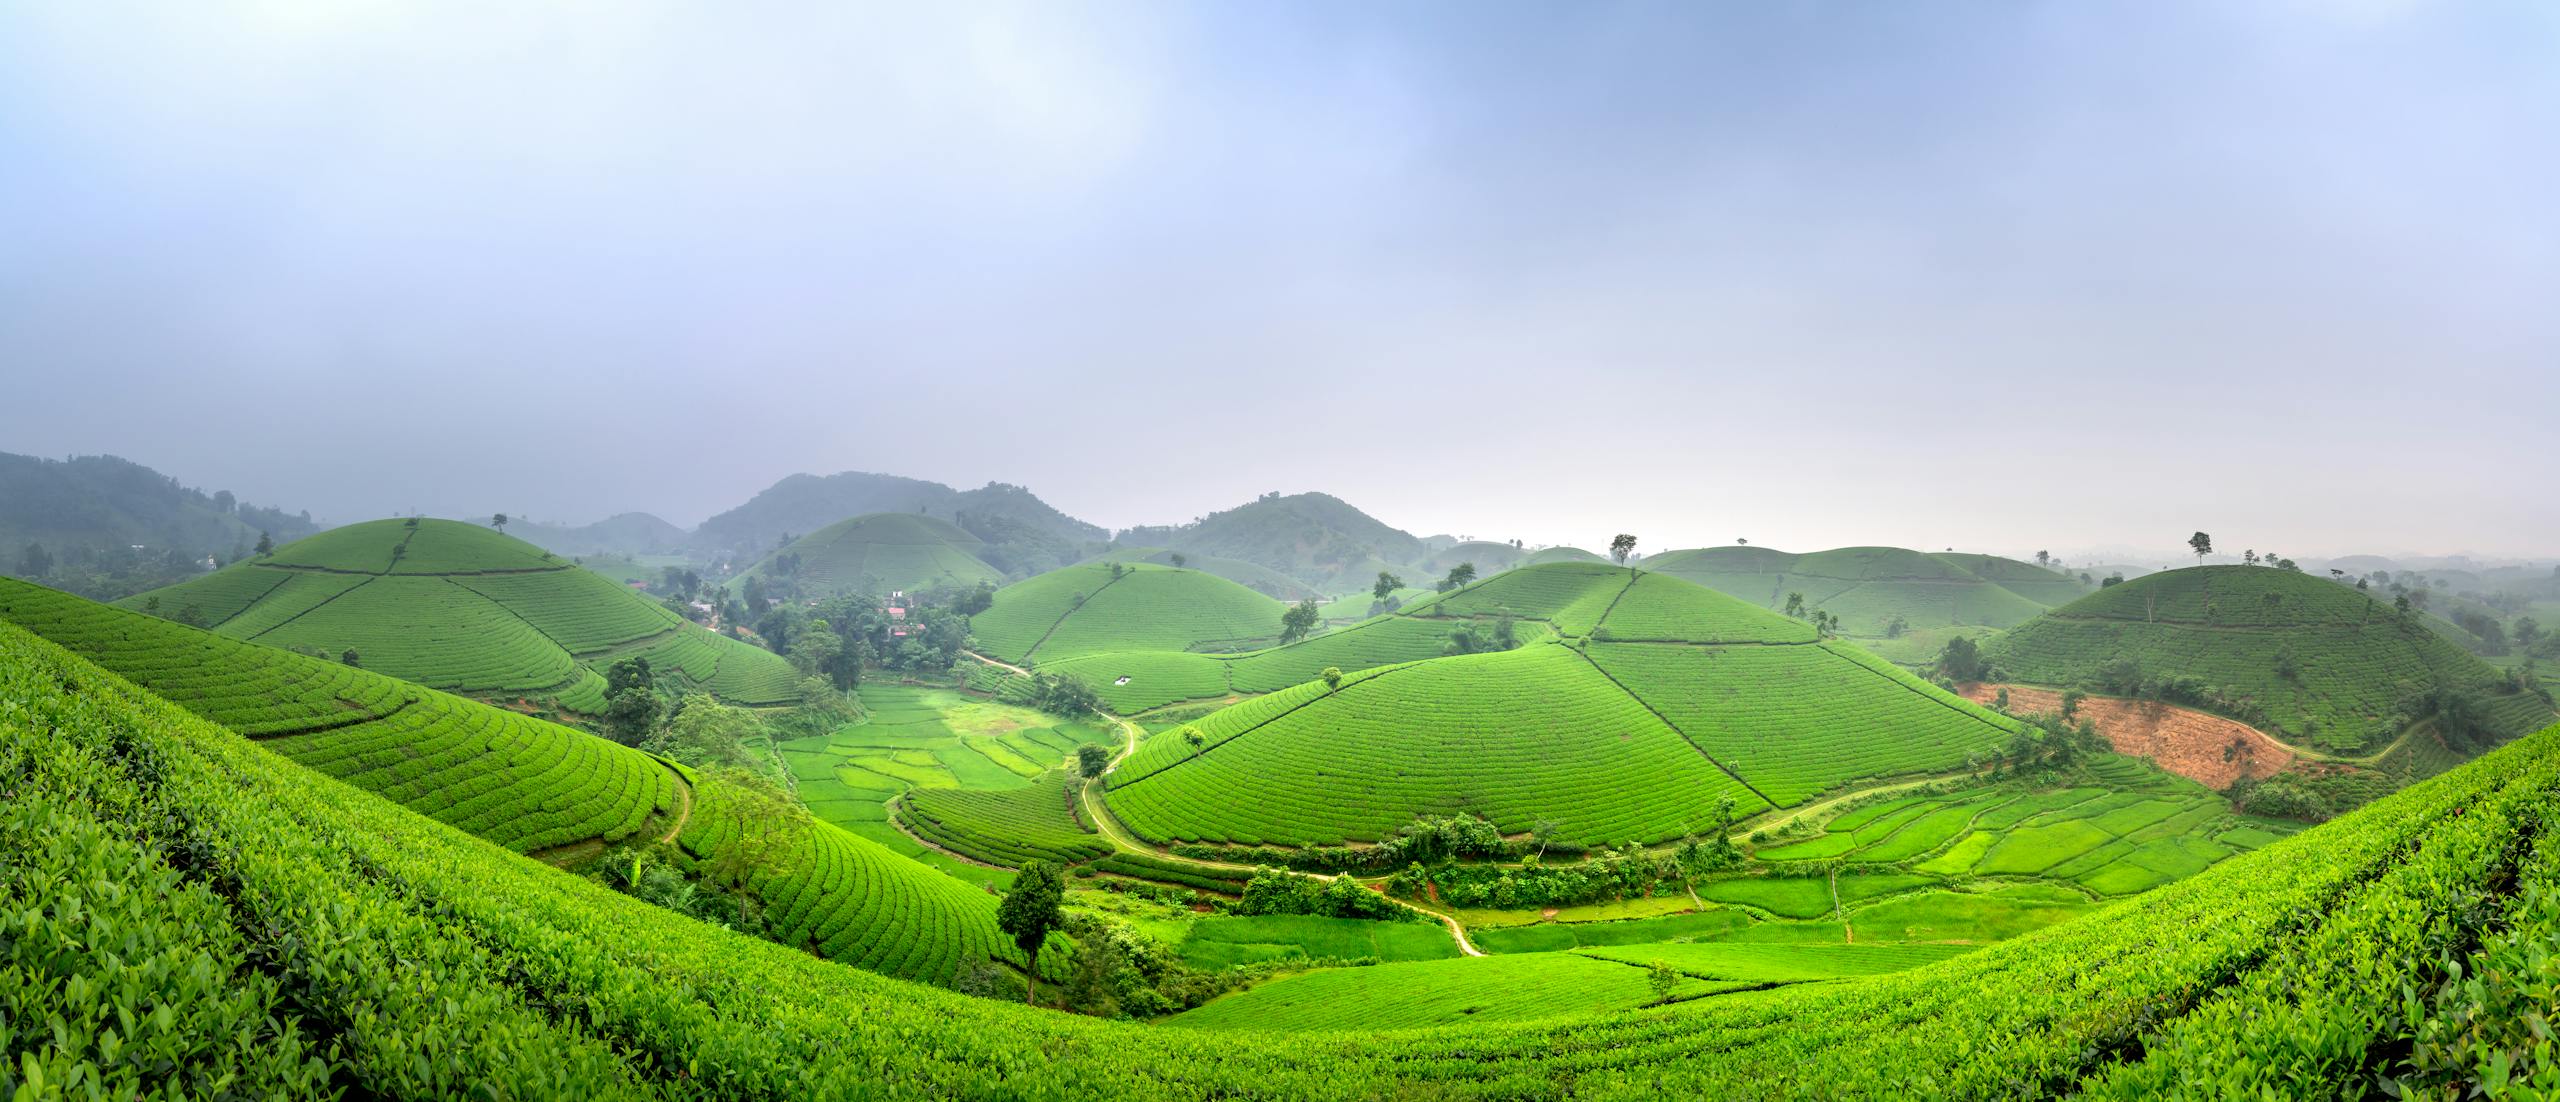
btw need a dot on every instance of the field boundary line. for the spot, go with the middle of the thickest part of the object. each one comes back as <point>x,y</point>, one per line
<point>315,605</point>
<point>1915,692</point>
<point>1072,609</point>
<point>1284,713</point>
<point>263,594</point>
<point>1676,729</point>
<point>338,724</point>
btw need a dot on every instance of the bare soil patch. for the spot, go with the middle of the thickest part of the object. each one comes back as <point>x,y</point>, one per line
<point>2189,743</point>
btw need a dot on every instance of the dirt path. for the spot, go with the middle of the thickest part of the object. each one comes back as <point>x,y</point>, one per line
<point>996,664</point>
<point>1108,826</point>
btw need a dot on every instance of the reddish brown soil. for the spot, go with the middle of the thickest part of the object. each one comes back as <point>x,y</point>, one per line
<point>2184,741</point>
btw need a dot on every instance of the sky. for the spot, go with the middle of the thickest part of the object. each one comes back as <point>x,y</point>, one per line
<point>1998,276</point>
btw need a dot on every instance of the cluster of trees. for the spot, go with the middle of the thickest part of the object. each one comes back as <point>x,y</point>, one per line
<point>841,635</point>
<point>2047,744</point>
<point>1472,638</point>
<point>1428,839</point>
<point>1823,622</point>
<point>1628,872</point>
<point>1962,660</point>
<point>1281,892</point>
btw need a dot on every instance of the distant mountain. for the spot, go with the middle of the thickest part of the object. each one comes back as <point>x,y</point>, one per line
<point>104,501</point>
<point>1316,538</point>
<point>104,527</point>
<point>1022,534</point>
<point>622,533</point>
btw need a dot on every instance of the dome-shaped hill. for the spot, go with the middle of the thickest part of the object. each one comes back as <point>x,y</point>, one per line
<point>1261,579</point>
<point>2035,583</point>
<point>1677,695</point>
<point>881,553</point>
<point>1869,588</point>
<point>1546,555</point>
<point>1095,607</point>
<point>459,607</point>
<point>520,782</point>
<point>2316,661</point>
<point>1487,555</point>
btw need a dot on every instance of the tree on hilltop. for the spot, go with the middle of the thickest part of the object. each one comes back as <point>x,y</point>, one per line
<point>1386,586</point>
<point>1458,577</point>
<point>499,522</point>
<point>1332,676</point>
<point>266,545</point>
<point>2202,545</point>
<point>1621,546</point>
<point>2044,558</point>
<point>1177,560</point>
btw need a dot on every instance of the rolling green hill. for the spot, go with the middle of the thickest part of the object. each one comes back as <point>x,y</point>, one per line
<point>1022,533</point>
<point>1662,697</point>
<point>101,501</point>
<point>460,607</point>
<point>1087,609</point>
<point>879,554</point>
<point>1318,539</point>
<point>1868,588</point>
<point>520,782</point>
<point>294,939</point>
<point>2317,662</point>
<point>1260,579</point>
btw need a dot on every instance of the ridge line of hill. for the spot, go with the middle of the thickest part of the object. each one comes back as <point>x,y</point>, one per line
<point>1675,728</point>
<point>1906,686</point>
<point>1265,722</point>
<point>1072,609</point>
<point>315,605</point>
<point>1598,621</point>
<point>263,594</point>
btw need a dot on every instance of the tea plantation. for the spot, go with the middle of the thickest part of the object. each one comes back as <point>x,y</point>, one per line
<point>462,608</point>
<point>519,782</point>
<point>1096,607</point>
<point>257,916</point>
<point>881,553</point>
<point>1872,588</point>
<point>1612,738</point>
<point>2318,663</point>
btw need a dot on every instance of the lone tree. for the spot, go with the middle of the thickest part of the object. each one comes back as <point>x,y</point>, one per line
<point>2202,545</point>
<point>2044,558</point>
<point>1298,621</point>
<point>1621,546</point>
<point>1459,576</point>
<point>499,522</point>
<point>266,545</point>
<point>1662,978</point>
<point>1386,587</point>
<point>1191,735</point>
<point>1091,760</point>
<point>1332,676</point>
<point>1176,559</point>
<point>1028,913</point>
<point>351,658</point>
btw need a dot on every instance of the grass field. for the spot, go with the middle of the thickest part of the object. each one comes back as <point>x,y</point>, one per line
<point>937,744</point>
<point>459,607</point>
<point>2319,664</point>
<point>1228,940</point>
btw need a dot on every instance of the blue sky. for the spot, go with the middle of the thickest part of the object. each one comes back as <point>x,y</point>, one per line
<point>2002,276</point>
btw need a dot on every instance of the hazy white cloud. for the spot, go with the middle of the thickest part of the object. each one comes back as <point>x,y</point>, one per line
<point>2009,277</point>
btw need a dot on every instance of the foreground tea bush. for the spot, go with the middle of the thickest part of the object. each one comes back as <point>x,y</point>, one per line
<point>290,936</point>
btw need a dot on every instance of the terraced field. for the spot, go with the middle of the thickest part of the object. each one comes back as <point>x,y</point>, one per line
<point>931,744</point>
<point>2368,934</point>
<point>462,608</point>
<point>1084,609</point>
<point>1869,588</point>
<point>2317,663</point>
<point>520,782</point>
<point>881,553</point>
<point>1615,740</point>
